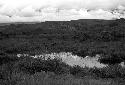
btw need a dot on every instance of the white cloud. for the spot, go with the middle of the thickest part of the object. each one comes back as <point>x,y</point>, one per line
<point>39,10</point>
<point>25,19</point>
<point>4,19</point>
<point>28,12</point>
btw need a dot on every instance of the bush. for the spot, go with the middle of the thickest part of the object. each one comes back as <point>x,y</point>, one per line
<point>111,71</point>
<point>81,72</point>
<point>7,58</point>
<point>111,59</point>
<point>31,66</point>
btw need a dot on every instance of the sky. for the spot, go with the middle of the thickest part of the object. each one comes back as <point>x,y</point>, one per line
<point>60,10</point>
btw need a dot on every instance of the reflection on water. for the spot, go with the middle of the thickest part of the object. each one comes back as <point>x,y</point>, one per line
<point>70,59</point>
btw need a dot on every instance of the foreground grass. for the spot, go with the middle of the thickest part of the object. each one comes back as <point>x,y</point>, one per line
<point>50,78</point>
<point>30,71</point>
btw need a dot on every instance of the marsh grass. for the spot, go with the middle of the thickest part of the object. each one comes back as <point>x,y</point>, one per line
<point>32,71</point>
<point>42,78</point>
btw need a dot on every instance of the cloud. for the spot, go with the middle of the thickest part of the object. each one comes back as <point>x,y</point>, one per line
<point>40,10</point>
<point>4,19</point>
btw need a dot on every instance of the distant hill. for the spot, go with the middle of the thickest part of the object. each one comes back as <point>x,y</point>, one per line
<point>79,20</point>
<point>82,37</point>
<point>3,24</point>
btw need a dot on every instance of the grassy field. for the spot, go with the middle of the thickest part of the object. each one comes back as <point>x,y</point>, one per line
<point>42,78</point>
<point>31,71</point>
<point>81,37</point>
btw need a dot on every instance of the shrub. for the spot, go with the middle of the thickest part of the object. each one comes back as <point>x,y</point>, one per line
<point>7,59</point>
<point>31,66</point>
<point>80,72</point>
<point>111,71</point>
<point>111,59</point>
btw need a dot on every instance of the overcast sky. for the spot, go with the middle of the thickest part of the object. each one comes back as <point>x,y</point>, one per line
<point>51,10</point>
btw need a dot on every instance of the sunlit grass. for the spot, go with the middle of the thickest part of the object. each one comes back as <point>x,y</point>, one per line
<point>49,70</point>
<point>70,59</point>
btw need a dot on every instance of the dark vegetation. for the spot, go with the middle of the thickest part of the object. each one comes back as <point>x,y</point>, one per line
<point>81,37</point>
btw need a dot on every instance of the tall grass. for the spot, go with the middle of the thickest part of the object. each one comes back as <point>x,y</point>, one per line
<point>35,71</point>
<point>51,79</point>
